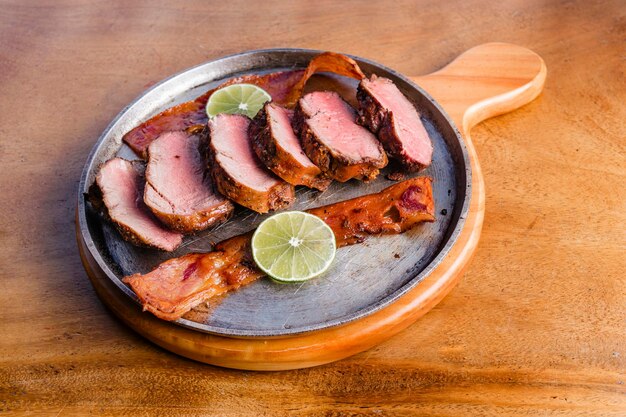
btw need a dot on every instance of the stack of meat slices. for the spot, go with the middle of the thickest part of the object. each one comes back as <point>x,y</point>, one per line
<point>238,173</point>
<point>174,195</point>
<point>277,146</point>
<point>178,191</point>
<point>192,180</point>
<point>120,186</point>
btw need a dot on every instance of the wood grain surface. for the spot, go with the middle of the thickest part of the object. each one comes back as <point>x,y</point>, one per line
<point>536,327</point>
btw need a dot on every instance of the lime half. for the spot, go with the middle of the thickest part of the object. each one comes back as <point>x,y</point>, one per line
<point>293,246</point>
<point>246,99</point>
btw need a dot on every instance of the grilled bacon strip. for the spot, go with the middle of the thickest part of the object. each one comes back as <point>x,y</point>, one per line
<point>178,285</point>
<point>285,87</point>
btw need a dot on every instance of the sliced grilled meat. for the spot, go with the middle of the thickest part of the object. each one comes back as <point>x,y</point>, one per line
<point>277,146</point>
<point>237,172</point>
<point>121,185</point>
<point>386,111</point>
<point>178,187</point>
<point>333,140</point>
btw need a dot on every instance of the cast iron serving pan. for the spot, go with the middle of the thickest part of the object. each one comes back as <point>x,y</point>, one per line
<point>363,279</point>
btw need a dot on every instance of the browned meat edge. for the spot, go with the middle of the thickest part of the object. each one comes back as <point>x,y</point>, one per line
<point>95,198</point>
<point>201,220</point>
<point>328,161</point>
<point>277,197</point>
<point>382,123</point>
<point>279,160</point>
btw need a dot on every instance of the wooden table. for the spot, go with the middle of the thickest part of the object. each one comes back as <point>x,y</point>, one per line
<point>536,327</point>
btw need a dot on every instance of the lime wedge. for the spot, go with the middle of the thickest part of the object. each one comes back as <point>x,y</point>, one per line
<point>246,99</point>
<point>293,246</point>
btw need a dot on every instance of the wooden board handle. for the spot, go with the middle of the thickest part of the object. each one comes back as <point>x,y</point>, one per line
<point>485,81</point>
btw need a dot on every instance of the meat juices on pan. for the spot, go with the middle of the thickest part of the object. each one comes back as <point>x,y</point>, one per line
<point>237,172</point>
<point>277,146</point>
<point>121,184</point>
<point>333,140</point>
<point>386,111</point>
<point>178,187</point>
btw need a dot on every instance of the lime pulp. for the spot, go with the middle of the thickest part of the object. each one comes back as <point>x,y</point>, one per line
<point>293,246</point>
<point>246,99</point>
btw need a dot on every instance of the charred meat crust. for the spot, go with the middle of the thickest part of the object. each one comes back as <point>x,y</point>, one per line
<point>333,164</point>
<point>263,146</point>
<point>381,122</point>
<point>299,119</point>
<point>279,196</point>
<point>198,221</point>
<point>393,145</point>
<point>280,161</point>
<point>132,237</point>
<point>371,113</point>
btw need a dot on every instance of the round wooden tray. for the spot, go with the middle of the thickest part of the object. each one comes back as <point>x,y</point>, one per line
<point>485,81</point>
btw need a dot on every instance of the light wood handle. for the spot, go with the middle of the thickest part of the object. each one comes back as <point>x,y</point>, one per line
<point>486,81</point>
<point>483,82</point>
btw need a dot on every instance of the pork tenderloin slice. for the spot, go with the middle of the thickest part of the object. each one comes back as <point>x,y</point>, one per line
<point>121,186</point>
<point>238,173</point>
<point>277,146</point>
<point>333,140</point>
<point>179,190</point>
<point>386,111</point>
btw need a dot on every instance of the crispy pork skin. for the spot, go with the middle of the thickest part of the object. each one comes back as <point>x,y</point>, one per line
<point>333,140</point>
<point>386,111</point>
<point>278,147</point>
<point>236,170</point>
<point>179,284</point>
<point>178,187</point>
<point>121,186</point>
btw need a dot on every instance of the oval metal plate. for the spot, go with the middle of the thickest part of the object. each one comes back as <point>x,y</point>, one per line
<point>363,279</point>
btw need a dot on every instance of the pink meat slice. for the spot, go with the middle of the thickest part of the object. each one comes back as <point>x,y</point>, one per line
<point>179,190</point>
<point>122,186</point>
<point>333,140</point>
<point>275,143</point>
<point>328,103</point>
<point>334,121</point>
<point>398,123</point>
<point>236,170</point>
<point>229,138</point>
<point>280,119</point>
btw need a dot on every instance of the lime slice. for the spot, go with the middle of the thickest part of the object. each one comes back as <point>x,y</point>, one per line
<point>293,246</point>
<point>244,99</point>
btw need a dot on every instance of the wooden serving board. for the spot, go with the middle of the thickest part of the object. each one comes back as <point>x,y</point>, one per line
<point>485,81</point>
